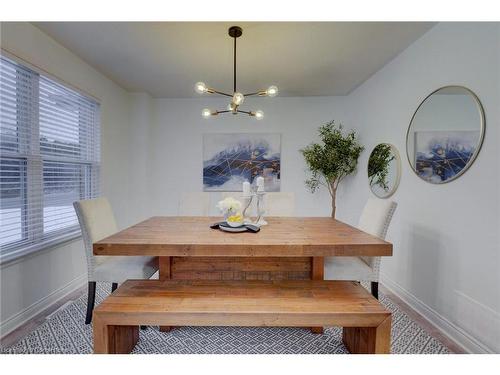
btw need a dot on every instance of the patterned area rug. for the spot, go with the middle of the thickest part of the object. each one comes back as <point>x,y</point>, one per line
<point>65,332</point>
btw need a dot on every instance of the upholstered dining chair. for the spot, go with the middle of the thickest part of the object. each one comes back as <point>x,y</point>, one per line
<point>194,204</point>
<point>275,203</point>
<point>375,220</point>
<point>279,204</point>
<point>97,221</point>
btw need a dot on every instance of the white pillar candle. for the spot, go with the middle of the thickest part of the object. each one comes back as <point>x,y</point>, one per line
<point>246,188</point>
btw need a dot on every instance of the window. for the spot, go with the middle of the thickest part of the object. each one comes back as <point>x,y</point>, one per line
<point>49,144</point>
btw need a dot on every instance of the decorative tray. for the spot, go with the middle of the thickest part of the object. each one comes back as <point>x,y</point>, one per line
<point>242,228</point>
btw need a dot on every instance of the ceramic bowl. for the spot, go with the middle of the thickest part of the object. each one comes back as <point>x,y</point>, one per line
<point>234,224</point>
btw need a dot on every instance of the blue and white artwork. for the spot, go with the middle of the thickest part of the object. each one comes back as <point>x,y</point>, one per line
<point>442,155</point>
<point>231,159</point>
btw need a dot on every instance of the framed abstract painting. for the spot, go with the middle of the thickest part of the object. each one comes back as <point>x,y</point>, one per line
<point>230,159</point>
<point>442,155</point>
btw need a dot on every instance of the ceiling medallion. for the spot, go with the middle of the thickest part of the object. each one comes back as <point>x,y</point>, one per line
<point>237,98</point>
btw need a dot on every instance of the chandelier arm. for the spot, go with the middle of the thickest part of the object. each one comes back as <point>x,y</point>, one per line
<point>245,112</point>
<point>260,93</point>
<point>220,93</point>
<point>222,111</point>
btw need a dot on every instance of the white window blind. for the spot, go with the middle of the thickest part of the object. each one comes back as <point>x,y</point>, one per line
<point>50,155</point>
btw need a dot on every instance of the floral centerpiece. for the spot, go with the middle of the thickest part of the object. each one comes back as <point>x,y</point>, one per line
<point>231,209</point>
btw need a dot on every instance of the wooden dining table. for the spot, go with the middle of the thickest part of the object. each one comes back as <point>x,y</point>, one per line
<point>288,248</point>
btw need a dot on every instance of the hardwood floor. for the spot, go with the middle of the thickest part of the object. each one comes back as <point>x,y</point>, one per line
<point>33,323</point>
<point>424,323</point>
<point>38,320</point>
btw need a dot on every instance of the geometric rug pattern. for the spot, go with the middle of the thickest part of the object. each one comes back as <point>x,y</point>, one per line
<point>65,332</point>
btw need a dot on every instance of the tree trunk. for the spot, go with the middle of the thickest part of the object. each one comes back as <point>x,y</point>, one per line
<point>334,196</point>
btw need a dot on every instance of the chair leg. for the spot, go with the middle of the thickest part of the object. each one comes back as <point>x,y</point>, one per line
<point>374,286</point>
<point>90,301</point>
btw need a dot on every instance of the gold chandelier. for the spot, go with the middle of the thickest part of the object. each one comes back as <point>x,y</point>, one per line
<point>237,98</point>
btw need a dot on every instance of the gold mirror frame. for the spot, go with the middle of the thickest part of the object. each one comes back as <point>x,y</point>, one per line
<point>397,158</point>
<point>481,135</point>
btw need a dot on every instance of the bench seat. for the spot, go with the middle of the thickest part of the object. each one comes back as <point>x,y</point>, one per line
<point>290,303</point>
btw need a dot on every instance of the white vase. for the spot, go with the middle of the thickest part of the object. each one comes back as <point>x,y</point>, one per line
<point>232,223</point>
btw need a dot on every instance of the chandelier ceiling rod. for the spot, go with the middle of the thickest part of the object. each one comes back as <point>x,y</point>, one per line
<point>235,32</point>
<point>234,67</point>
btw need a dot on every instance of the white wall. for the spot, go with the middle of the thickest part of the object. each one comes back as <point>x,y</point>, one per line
<point>36,281</point>
<point>139,180</point>
<point>446,237</point>
<point>176,145</point>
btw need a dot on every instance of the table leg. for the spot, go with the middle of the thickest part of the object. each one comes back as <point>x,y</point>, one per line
<point>317,273</point>
<point>164,268</point>
<point>368,340</point>
<point>164,264</point>
<point>318,268</point>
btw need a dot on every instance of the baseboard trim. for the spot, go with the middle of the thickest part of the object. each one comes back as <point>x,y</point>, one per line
<point>468,343</point>
<point>17,320</point>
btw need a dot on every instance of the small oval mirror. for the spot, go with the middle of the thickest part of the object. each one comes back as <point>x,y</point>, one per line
<point>384,170</point>
<point>445,134</point>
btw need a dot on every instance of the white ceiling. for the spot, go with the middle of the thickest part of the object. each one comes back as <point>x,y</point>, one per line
<point>166,59</point>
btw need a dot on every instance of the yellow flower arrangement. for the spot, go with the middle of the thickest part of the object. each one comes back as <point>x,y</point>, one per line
<point>235,218</point>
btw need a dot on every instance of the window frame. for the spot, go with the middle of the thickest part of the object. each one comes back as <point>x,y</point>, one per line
<point>33,239</point>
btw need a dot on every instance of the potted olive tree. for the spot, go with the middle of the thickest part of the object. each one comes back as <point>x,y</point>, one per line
<point>334,158</point>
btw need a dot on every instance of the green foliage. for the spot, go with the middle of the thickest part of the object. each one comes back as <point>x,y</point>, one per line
<point>378,165</point>
<point>333,159</point>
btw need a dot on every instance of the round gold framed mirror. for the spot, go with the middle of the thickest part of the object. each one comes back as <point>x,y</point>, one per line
<point>445,134</point>
<point>384,170</point>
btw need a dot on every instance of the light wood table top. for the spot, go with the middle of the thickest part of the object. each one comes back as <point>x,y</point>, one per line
<point>283,237</point>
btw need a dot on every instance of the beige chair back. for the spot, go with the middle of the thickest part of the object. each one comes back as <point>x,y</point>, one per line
<point>375,219</point>
<point>279,204</point>
<point>97,221</point>
<point>275,203</point>
<point>376,216</point>
<point>194,204</point>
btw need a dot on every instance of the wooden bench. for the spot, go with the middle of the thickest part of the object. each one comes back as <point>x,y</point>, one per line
<point>291,303</point>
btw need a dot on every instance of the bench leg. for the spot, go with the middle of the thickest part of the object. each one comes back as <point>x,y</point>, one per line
<point>110,339</point>
<point>164,268</point>
<point>368,340</point>
<point>317,273</point>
